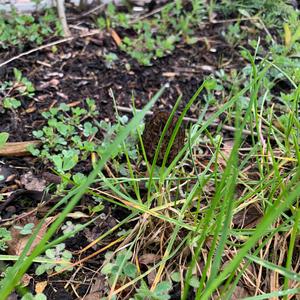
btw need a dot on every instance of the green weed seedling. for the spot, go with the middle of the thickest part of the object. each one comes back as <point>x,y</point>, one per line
<point>110,131</point>
<point>110,58</point>
<point>156,37</point>
<point>4,237</point>
<point>57,253</point>
<point>65,161</point>
<point>194,281</point>
<point>69,227</point>
<point>122,260</point>
<point>26,229</point>
<point>3,138</point>
<point>18,30</point>
<point>11,103</point>
<point>12,91</point>
<point>234,34</point>
<point>161,291</point>
<point>272,13</point>
<point>66,138</point>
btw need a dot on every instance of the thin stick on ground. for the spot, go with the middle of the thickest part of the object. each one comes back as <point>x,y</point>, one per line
<point>62,16</point>
<point>93,32</point>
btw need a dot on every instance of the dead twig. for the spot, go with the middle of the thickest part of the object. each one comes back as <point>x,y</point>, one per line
<point>94,32</point>
<point>116,37</point>
<point>62,17</point>
<point>153,12</point>
<point>98,7</point>
<point>15,149</point>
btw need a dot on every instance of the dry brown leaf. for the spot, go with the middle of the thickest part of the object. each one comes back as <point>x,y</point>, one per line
<point>30,110</point>
<point>51,83</point>
<point>33,183</point>
<point>98,284</point>
<point>62,95</point>
<point>116,37</point>
<point>96,289</point>
<point>40,286</point>
<point>93,296</point>
<point>240,293</point>
<point>77,215</point>
<point>19,241</point>
<point>225,153</point>
<point>26,280</point>
<point>151,277</point>
<point>148,258</point>
<point>247,217</point>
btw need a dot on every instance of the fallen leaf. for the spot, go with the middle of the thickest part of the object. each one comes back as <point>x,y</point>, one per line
<point>240,293</point>
<point>148,258</point>
<point>30,110</point>
<point>94,296</point>
<point>225,152</point>
<point>97,289</point>
<point>116,37</point>
<point>19,241</point>
<point>42,98</point>
<point>77,215</point>
<point>98,284</point>
<point>151,277</point>
<point>51,83</point>
<point>247,217</point>
<point>62,95</point>
<point>26,280</point>
<point>32,182</point>
<point>40,286</point>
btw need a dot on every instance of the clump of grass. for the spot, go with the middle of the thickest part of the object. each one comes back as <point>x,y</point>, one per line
<point>183,235</point>
<point>189,230</point>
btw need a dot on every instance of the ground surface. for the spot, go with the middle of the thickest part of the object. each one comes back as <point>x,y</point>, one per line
<point>74,72</point>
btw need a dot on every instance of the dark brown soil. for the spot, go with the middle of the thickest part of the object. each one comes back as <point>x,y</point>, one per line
<point>77,70</point>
